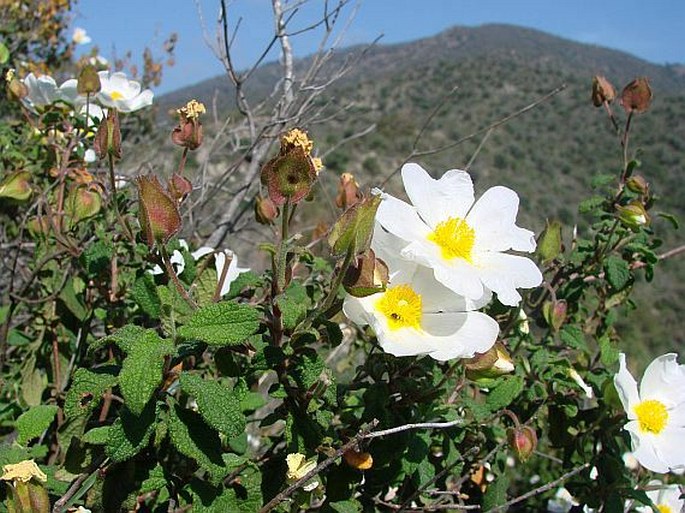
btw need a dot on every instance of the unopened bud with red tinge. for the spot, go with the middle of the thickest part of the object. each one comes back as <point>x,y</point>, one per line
<point>491,364</point>
<point>523,440</point>
<point>636,96</point>
<point>348,191</point>
<point>179,187</point>
<point>158,211</point>
<point>265,211</point>
<point>638,184</point>
<point>367,275</point>
<point>555,313</point>
<point>108,137</point>
<point>16,186</point>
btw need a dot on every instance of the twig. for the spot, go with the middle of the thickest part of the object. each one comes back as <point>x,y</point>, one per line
<point>540,489</point>
<point>407,427</point>
<point>436,507</point>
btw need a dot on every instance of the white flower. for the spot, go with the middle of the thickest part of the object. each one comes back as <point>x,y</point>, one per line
<point>89,156</point>
<point>563,502</point>
<point>43,90</point>
<point>80,36</point>
<point>98,60</point>
<point>417,315</point>
<point>461,239</point>
<point>666,498</point>
<point>95,114</point>
<point>656,414</point>
<point>298,467</point>
<point>81,509</point>
<point>220,258</point>
<point>177,261</point>
<point>121,93</point>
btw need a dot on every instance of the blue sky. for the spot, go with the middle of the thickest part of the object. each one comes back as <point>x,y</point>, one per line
<point>653,30</point>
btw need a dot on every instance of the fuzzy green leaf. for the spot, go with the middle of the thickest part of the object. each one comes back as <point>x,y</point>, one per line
<point>145,295</point>
<point>130,433</point>
<point>33,422</point>
<point>123,338</point>
<point>617,272</point>
<point>222,324</point>
<point>191,436</point>
<point>97,436</point>
<point>293,304</point>
<point>496,494</point>
<point>218,405</point>
<point>86,390</point>
<point>141,372</point>
<point>503,395</point>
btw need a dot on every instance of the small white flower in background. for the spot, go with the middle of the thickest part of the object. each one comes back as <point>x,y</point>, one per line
<point>80,36</point>
<point>176,259</point>
<point>121,93</point>
<point>81,509</point>
<point>589,400</point>
<point>416,315</point>
<point>220,258</point>
<point>563,501</point>
<point>89,156</point>
<point>666,498</point>
<point>95,114</point>
<point>298,467</point>
<point>461,239</point>
<point>656,414</point>
<point>42,91</point>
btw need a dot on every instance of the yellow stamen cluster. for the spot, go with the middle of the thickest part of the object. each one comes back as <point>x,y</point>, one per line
<point>23,472</point>
<point>9,76</point>
<point>651,416</point>
<point>300,139</point>
<point>401,306</point>
<point>116,95</point>
<point>318,164</point>
<point>192,110</point>
<point>455,238</point>
<point>664,508</point>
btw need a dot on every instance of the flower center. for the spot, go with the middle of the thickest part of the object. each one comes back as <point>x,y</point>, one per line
<point>652,416</point>
<point>455,238</point>
<point>664,508</point>
<point>401,307</point>
<point>116,95</point>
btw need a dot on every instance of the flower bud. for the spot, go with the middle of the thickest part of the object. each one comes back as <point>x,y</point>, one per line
<point>265,211</point>
<point>555,313</point>
<point>158,211</point>
<point>289,177</point>
<point>633,215</point>
<point>368,275</point>
<point>88,80</point>
<point>353,231</point>
<point>108,137</point>
<point>602,91</point>
<point>82,203</point>
<point>348,191</point>
<point>550,244</point>
<point>16,89</point>
<point>358,460</point>
<point>16,186</point>
<point>638,184</point>
<point>179,187</point>
<point>636,96</point>
<point>188,133</point>
<point>489,365</point>
<point>27,492</point>
<point>523,440</point>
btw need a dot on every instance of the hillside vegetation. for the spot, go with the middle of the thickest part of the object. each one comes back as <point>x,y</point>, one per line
<point>549,155</point>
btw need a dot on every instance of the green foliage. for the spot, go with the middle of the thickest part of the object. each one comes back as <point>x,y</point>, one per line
<point>34,421</point>
<point>219,406</point>
<point>221,324</point>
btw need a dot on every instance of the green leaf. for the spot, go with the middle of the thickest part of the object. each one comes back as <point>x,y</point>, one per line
<point>617,272</point>
<point>293,303</point>
<point>496,493</point>
<point>222,324</point>
<point>573,337</point>
<point>503,395</point>
<point>33,422</point>
<point>130,433</point>
<point>348,506</point>
<point>590,204</point>
<point>124,338</point>
<point>97,436</point>
<point>144,293</point>
<point>4,54</point>
<point>218,405</point>
<point>72,301</point>
<point>191,436</point>
<point>608,352</point>
<point>141,372</point>
<point>670,218</point>
<point>97,257</point>
<point>86,390</point>
<point>156,480</point>
<point>243,496</point>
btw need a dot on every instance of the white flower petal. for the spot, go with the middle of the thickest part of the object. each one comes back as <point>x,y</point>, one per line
<point>460,277</point>
<point>670,447</point>
<point>504,273</point>
<point>202,251</point>
<point>626,387</point>
<point>644,449</point>
<point>231,273</point>
<point>664,379</point>
<point>438,298</point>
<point>401,219</point>
<point>436,200</point>
<point>460,335</point>
<point>493,218</point>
